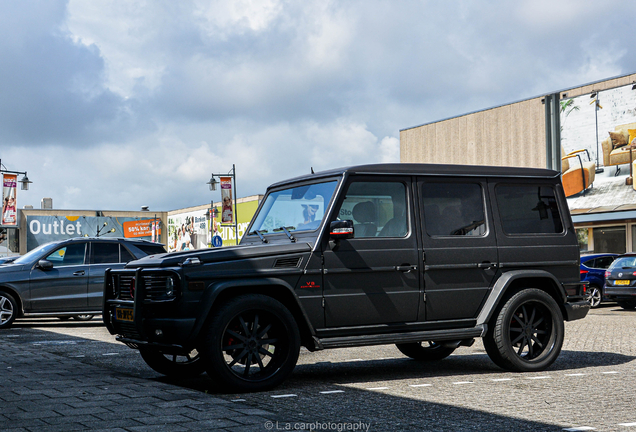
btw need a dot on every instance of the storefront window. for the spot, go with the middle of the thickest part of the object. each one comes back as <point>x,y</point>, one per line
<point>610,239</point>
<point>9,242</point>
<point>582,237</point>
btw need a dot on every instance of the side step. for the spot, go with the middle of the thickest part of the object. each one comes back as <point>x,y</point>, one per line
<point>393,338</point>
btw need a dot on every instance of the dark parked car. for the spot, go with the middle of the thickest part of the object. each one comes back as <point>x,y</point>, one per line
<point>620,281</point>
<point>64,278</point>
<point>593,269</point>
<point>428,257</point>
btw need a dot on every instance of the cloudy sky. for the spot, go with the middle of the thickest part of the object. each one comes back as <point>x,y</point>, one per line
<point>111,105</point>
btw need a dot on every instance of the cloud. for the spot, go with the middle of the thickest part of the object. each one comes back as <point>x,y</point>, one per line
<point>114,105</point>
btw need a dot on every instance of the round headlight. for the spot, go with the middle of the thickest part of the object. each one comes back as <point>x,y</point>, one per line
<point>169,287</point>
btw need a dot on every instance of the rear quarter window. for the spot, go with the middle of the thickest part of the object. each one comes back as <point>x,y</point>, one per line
<point>151,249</point>
<point>528,209</point>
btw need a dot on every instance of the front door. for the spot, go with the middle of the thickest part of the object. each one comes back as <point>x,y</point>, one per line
<point>373,278</point>
<point>459,247</point>
<point>63,287</point>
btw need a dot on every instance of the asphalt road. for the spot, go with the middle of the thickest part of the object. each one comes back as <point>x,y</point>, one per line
<point>590,387</point>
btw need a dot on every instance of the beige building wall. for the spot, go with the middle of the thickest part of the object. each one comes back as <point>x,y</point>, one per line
<point>508,135</point>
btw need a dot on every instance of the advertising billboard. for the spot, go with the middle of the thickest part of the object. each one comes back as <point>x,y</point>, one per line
<point>9,200</point>
<point>598,141</point>
<point>44,229</point>
<point>193,229</point>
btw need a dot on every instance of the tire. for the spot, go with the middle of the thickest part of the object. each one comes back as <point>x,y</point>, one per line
<point>250,344</point>
<point>627,305</point>
<point>425,351</point>
<point>85,317</point>
<point>526,334</point>
<point>595,297</point>
<point>172,365</point>
<point>8,310</point>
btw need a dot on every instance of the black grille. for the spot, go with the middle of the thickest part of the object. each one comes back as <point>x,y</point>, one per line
<point>288,262</point>
<point>124,286</point>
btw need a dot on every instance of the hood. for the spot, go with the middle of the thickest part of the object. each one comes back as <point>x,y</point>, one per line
<point>228,253</point>
<point>10,268</point>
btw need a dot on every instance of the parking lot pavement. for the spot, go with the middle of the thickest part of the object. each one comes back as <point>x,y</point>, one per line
<point>73,377</point>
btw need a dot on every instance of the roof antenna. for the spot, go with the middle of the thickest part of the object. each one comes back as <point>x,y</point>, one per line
<point>312,170</point>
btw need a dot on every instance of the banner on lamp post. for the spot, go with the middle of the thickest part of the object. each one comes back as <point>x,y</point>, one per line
<point>227,214</point>
<point>9,202</point>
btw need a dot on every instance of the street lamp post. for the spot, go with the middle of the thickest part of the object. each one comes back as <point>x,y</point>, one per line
<point>25,180</point>
<point>213,183</point>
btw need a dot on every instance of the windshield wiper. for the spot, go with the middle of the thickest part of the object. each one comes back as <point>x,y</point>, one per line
<point>291,237</point>
<point>260,235</point>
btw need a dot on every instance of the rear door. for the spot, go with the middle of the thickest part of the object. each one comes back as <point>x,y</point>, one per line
<point>64,287</point>
<point>459,246</point>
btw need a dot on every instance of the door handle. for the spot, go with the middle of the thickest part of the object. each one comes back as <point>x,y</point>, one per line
<point>405,268</point>
<point>79,273</point>
<point>487,265</point>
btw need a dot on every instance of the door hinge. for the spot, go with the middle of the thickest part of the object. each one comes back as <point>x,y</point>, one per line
<point>423,297</point>
<point>323,302</point>
<point>423,256</point>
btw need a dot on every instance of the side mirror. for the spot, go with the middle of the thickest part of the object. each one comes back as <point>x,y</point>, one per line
<point>341,230</point>
<point>45,264</point>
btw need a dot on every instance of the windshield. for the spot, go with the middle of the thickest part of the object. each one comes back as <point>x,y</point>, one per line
<point>625,262</point>
<point>28,257</point>
<point>300,208</point>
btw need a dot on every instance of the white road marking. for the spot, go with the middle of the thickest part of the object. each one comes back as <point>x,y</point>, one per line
<point>580,428</point>
<point>377,388</point>
<point>463,382</point>
<point>332,391</point>
<point>109,354</point>
<point>610,372</point>
<point>351,360</point>
<point>627,424</point>
<point>420,385</point>
<point>502,379</point>
<point>539,377</point>
<point>238,400</point>
<point>576,374</point>
<point>284,396</point>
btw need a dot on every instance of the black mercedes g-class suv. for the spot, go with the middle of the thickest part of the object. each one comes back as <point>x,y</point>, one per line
<point>427,257</point>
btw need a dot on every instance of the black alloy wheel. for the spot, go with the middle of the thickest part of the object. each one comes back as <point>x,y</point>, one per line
<point>425,351</point>
<point>187,365</point>
<point>527,332</point>
<point>251,343</point>
<point>8,310</point>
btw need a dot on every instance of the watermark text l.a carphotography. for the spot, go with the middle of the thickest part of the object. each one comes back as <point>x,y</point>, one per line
<point>317,426</point>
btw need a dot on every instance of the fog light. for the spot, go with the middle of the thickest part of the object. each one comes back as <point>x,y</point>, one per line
<point>159,332</point>
<point>169,287</point>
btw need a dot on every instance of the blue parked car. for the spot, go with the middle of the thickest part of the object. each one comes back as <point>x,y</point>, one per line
<point>593,271</point>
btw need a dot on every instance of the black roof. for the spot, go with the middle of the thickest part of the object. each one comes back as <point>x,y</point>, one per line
<point>430,169</point>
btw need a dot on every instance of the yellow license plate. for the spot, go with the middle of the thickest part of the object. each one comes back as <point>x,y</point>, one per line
<point>122,314</point>
<point>622,282</point>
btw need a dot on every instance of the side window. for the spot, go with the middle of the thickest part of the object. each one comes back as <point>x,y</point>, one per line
<point>528,209</point>
<point>378,209</point>
<point>603,262</point>
<point>72,254</point>
<point>453,209</point>
<point>105,253</point>
<point>126,256</point>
